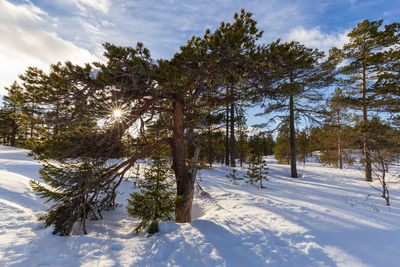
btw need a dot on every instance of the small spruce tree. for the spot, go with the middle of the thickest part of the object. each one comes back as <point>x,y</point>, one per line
<point>137,170</point>
<point>156,199</point>
<point>136,175</point>
<point>257,171</point>
<point>233,176</point>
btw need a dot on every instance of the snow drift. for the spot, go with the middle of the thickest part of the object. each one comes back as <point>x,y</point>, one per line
<point>328,217</point>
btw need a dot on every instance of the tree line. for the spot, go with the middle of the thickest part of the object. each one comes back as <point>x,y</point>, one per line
<point>193,104</point>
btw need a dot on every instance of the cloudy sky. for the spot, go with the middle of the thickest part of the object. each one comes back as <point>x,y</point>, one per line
<point>38,33</point>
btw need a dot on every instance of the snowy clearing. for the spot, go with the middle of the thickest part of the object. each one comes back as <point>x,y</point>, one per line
<point>328,217</point>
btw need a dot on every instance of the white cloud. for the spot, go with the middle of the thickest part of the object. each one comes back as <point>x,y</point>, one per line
<point>316,39</point>
<point>25,42</point>
<point>101,5</point>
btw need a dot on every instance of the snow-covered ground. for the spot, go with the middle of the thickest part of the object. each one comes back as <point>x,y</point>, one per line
<point>328,217</point>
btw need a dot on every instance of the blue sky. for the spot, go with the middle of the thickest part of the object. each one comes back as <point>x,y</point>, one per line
<point>38,33</point>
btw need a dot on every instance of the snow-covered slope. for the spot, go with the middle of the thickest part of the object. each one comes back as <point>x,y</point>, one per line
<point>328,217</point>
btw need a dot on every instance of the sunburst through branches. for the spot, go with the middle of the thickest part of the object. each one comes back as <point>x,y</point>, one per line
<point>117,114</point>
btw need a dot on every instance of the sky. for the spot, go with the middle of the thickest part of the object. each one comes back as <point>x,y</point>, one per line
<point>39,33</point>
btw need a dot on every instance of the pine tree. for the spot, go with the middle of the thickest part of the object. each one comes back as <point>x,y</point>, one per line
<point>166,90</point>
<point>388,75</point>
<point>325,140</point>
<point>334,136</point>
<point>299,73</point>
<point>14,115</point>
<point>282,147</point>
<point>261,144</point>
<point>137,171</point>
<point>5,122</point>
<point>156,200</point>
<point>336,117</point>
<point>257,171</point>
<point>303,146</point>
<point>363,58</point>
<point>243,147</point>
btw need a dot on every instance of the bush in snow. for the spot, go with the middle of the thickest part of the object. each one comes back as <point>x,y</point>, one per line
<point>67,191</point>
<point>383,149</point>
<point>233,176</point>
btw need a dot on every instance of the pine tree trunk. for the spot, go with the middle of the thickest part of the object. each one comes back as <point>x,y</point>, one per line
<point>292,133</point>
<point>340,152</point>
<point>57,118</point>
<point>339,142</point>
<point>32,119</point>
<point>14,128</point>
<point>241,149</point>
<point>190,146</point>
<point>13,132</point>
<point>209,147</point>
<point>184,181</point>
<point>227,137</point>
<point>368,170</point>
<point>232,137</point>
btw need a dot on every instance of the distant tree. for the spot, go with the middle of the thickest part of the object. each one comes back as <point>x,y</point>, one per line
<point>269,144</point>
<point>53,91</point>
<point>336,117</point>
<point>14,116</point>
<point>33,81</point>
<point>327,139</point>
<point>261,144</point>
<point>282,146</point>
<point>5,121</point>
<point>303,145</point>
<point>243,147</point>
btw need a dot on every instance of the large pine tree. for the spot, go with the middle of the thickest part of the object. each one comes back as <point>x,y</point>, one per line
<point>299,74</point>
<point>361,65</point>
<point>141,89</point>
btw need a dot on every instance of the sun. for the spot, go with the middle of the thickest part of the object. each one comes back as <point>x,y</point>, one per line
<point>117,113</point>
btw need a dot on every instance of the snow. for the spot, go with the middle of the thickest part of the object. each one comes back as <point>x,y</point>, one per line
<point>328,217</point>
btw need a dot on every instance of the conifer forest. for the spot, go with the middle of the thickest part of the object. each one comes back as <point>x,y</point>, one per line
<point>134,160</point>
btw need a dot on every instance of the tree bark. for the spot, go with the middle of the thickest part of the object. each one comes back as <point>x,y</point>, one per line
<point>339,141</point>
<point>209,144</point>
<point>227,137</point>
<point>340,152</point>
<point>241,154</point>
<point>368,169</point>
<point>292,133</point>
<point>232,137</point>
<point>32,119</point>
<point>195,161</point>
<point>57,118</point>
<point>13,132</point>
<point>184,181</point>
<point>190,146</point>
<point>14,128</point>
